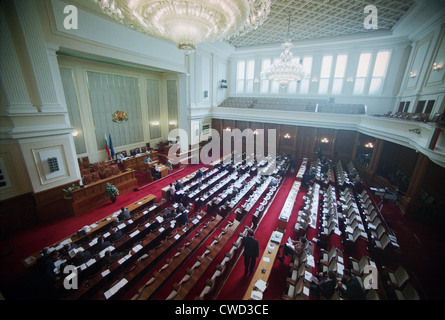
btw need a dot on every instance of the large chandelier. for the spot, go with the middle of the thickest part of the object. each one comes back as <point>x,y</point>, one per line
<point>285,70</point>
<point>189,22</point>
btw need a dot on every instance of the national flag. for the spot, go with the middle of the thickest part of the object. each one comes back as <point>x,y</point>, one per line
<point>106,147</point>
<point>434,138</point>
<point>111,146</point>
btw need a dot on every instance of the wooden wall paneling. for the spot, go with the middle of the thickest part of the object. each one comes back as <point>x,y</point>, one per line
<point>51,203</point>
<point>306,142</point>
<point>267,127</point>
<point>242,126</point>
<point>17,213</point>
<point>287,145</point>
<point>345,145</point>
<point>227,124</point>
<point>326,148</point>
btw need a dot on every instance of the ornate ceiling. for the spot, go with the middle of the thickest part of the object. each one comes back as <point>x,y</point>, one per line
<point>315,19</point>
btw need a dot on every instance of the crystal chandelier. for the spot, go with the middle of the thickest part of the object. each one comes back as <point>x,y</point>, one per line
<point>189,22</point>
<point>285,71</point>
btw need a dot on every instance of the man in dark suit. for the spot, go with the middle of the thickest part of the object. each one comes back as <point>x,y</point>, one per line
<point>124,214</point>
<point>350,288</point>
<point>251,251</point>
<point>154,173</point>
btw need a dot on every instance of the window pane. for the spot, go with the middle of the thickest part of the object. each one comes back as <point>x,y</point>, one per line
<point>337,86</point>
<point>249,87</point>
<point>324,84</point>
<point>240,86</point>
<point>292,87</point>
<point>304,86</point>
<point>241,70</point>
<point>363,65</point>
<point>359,86</point>
<point>380,64</point>
<point>250,69</point>
<point>375,86</point>
<point>275,87</point>
<point>340,67</point>
<point>264,86</point>
<point>264,82</point>
<point>326,67</point>
<point>307,64</point>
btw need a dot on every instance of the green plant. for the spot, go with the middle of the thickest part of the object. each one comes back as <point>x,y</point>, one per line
<point>70,189</point>
<point>111,191</point>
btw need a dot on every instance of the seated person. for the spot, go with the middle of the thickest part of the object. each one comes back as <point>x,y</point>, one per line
<point>295,249</point>
<point>120,157</point>
<point>154,173</point>
<point>147,160</point>
<point>308,176</point>
<point>169,165</point>
<point>116,234</point>
<point>324,285</point>
<point>199,174</point>
<point>110,257</point>
<point>178,185</point>
<point>350,288</point>
<point>124,214</point>
<point>81,257</point>
<point>67,250</point>
<point>101,244</point>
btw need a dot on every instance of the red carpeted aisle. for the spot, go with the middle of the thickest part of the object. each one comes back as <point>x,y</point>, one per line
<point>237,284</point>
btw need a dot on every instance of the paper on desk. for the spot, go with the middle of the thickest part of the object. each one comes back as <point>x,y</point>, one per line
<point>306,291</point>
<point>30,260</point>
<point>311,261</point>
<point>266,259</point>
<point>177,236</point>
<point>256,295</point>
<point>261,285</point>
<point>134,234</point>
<point>307,275</point>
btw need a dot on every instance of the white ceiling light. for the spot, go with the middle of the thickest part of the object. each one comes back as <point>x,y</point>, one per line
<point>189,22</point>
<point>285,71</point>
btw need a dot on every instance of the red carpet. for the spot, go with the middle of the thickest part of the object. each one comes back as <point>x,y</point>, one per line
<point>35,238</point>
<point>236,284</point>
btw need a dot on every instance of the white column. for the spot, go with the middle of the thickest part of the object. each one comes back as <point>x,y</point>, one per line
<point>42,70</point>
<point>11,76</point>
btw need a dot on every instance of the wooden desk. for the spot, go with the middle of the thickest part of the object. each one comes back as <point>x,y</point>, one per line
<point>99,226</point>
<point>269,253</point>
<point>163,170</point>
<point>286,211</point>
<point>137,162</point>
<point>185,180</point>
<point>93,194</point>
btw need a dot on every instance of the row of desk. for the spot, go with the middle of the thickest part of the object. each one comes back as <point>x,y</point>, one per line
<point>93,230</point>
<point>288,206</point>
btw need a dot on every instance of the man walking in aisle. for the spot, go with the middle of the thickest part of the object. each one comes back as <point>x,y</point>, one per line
<point>251,251</point>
